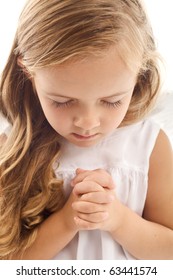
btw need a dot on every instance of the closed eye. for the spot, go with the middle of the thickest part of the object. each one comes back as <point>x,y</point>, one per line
<point>62,104</point>
<point>112,104</point>
<point>71,102</point>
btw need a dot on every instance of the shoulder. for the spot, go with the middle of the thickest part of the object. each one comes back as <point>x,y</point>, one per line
<point>159,202</point>
<point>162,155</point>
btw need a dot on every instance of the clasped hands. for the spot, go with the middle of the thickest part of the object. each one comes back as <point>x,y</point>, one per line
<point>95,203</point>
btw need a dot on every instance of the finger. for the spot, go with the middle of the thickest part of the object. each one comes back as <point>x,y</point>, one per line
<point>99,176</point>
<point>86,187</point>
<point>80,175</point>
<point>80,170</point>
<point>98,197</point>
<point>98,217</point>
<point>85,225</point>
<point>88,207</point>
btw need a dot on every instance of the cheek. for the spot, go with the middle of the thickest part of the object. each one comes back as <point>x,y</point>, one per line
<point>55,117</point>
<point>57,121</point>
<point>49,113</point>
<point>125,106</point>
<point>52,115</point>
<point>60,120</point>
<point>116,116</point>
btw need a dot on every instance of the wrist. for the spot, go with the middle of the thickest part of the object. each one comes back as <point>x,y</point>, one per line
<point>68,221</point>
<point>119,219</point>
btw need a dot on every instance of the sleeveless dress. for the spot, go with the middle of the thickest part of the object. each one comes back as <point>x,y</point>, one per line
<point>125,154</point>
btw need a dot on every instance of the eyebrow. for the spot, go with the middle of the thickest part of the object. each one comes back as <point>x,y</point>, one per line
<point>118,93</point>
<point>113,95</point>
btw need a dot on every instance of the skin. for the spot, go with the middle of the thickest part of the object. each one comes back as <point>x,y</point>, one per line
<point>86,100</point>
<point>75,98</point>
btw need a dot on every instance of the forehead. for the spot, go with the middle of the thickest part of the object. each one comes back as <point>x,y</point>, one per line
<point>101,74</point>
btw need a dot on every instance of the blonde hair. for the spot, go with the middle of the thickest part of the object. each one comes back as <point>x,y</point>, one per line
<point>50,33</point>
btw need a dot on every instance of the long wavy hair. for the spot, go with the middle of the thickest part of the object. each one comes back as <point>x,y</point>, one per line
<point>52,33</point>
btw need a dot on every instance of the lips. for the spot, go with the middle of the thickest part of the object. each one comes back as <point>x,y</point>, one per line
<point>84,137</point>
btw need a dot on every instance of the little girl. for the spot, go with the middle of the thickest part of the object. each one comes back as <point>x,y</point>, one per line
<point>83,173</point>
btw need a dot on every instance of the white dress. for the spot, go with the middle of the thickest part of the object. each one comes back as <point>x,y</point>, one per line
<point>125,155</point>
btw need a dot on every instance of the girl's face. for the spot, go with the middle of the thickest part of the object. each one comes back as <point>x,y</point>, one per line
<point>86,100</point>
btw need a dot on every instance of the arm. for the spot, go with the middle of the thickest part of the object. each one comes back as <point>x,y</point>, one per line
<point>151,237</point>
<point>53,234</point>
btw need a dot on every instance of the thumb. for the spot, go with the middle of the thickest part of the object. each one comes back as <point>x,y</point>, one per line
<point>80,170</point>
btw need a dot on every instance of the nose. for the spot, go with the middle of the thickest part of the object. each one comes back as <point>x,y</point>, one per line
<point>87,121</point>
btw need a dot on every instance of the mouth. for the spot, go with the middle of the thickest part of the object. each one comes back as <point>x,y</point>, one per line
<point>84,137</point>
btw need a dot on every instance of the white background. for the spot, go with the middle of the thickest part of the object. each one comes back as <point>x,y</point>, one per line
<point>161,16</point>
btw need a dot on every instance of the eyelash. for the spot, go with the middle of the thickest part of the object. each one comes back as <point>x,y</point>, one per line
<point>105,103</point>
<point>64,104</point>
<point>112,105</point>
